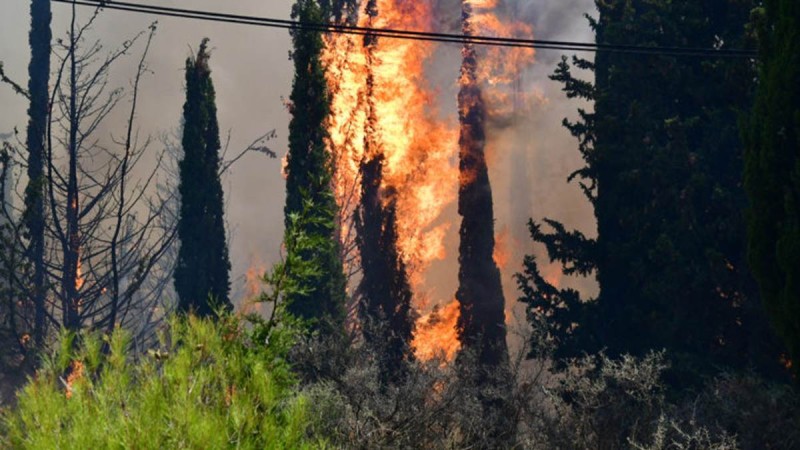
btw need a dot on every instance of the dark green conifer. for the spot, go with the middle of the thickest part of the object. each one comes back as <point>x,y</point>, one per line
<point>663,173</point>
<point>39,92</point>
<point>321,296</point>
<point>481,325</point>
<point>202,273</point>
<point>772,174</point>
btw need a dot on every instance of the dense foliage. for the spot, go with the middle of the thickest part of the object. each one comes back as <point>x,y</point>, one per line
<point>772,173</point>
<point>677,307</point>
<point>663,173</point>
<point>205,385</point>
<point>308,179</point>
<point>202,279</point>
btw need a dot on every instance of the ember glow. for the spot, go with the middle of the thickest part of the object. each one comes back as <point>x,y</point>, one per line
<point>79,278</point>
<point>253,286</point>
<point>396,116</point>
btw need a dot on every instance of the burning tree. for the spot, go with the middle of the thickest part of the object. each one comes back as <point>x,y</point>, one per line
<point>386,310</point>
<point>480,293</point>
<point>393,160</point>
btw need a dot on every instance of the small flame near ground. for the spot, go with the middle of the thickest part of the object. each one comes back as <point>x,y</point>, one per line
<point>436,334</point>
<point>253,285</point>
<point>75,374</point>
<point>502,252</point>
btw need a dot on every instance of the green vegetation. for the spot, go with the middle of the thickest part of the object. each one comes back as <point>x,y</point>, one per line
<point>204,385</point>
<point>675,352</point>
<point>321,298</point>
<point>663,173</point>
<point>772,174</point>
<point>202,278</point>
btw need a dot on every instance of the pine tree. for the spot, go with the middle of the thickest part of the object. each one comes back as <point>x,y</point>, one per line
<point>663,173</point>
<point>39,92</point>
<point>321,297</point>
<point>202,273</point>
<point>772,173</point>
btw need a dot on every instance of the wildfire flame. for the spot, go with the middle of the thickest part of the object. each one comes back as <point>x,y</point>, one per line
<point>79,278</point>
<point>419,147</point>
<point>436,334</point>
<point>502,255</point>
<point>75,374</point>
<point>254,285</point>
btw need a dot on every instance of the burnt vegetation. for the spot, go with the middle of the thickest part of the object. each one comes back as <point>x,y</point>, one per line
<point>115,278</point>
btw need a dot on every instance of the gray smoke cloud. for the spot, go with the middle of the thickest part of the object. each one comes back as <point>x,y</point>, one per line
<point>531,153</point>
<point>253,74</point>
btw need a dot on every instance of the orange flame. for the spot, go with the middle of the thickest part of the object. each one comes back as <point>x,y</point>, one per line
<point>436,334</point>
<point>253,280</point>
<point>417,145</point>
<point>254,285</point>
<point>501,248</point>
<point>75,374</point>
<point>79,279</point>
<point>420,148</point>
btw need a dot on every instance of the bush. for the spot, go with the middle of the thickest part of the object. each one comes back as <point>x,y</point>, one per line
<point>207,385</point>
<point>598,403</point>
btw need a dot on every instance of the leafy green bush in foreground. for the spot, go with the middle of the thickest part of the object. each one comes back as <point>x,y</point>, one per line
<point>208,385</point>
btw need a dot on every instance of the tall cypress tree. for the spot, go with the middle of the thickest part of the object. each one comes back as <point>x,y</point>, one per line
<point>321,293</point>
<point>202,273</point>
<point>385,308</point>
<point>38,89</point>
<point>663,172</point>
<point>481,325</point>
<point>772,173</point>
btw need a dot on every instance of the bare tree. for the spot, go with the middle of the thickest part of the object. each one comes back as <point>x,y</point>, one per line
<point>105,237</point>
<point>107,225</point>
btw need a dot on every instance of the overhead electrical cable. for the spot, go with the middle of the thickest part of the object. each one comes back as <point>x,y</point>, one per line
<point>412,35</point>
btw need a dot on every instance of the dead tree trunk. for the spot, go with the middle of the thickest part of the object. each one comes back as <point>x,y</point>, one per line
<point>70,276</point>
<point>38,91</point>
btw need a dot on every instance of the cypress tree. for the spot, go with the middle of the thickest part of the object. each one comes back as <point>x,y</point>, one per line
<point>320,296</point>
<point>663,172</point>
<point>385,309</point>
<point>772,172</point>
<point>481,325</point>
<point>38,89</point>
<point>202,273</point>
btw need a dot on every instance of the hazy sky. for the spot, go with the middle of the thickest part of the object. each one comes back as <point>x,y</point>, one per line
<point>252,75</point>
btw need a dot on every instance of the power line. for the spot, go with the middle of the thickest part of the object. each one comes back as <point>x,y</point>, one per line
<point>410,35</point>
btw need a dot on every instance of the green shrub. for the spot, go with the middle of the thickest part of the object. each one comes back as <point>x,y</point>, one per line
<point>208,385</point>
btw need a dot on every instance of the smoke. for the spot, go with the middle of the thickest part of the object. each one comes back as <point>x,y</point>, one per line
<point>531,154</point>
